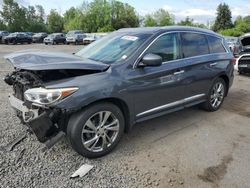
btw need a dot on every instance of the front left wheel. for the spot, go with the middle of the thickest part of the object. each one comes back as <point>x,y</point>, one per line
<point>95,131</point>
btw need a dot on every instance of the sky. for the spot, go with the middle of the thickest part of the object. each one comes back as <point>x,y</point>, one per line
<point>201,11</point>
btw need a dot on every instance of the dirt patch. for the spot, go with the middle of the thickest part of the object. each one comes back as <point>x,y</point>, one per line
<point>237,101</point>
<point>215,174</point>
<point>246,114</point>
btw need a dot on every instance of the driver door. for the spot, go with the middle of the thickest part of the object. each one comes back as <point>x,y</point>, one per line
<point>161,88</point>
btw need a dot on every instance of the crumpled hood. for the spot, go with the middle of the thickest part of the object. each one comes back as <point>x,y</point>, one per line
<point>245,40</point>
<point>37,60</point>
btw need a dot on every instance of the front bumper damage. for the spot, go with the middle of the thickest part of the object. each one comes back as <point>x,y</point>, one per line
<point>44,125</point>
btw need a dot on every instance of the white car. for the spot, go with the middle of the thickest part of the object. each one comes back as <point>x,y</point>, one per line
<point>89,39</point>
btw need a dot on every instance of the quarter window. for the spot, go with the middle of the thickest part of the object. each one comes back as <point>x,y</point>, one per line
<point>194,44</point>
<point>215,45</point>
<point>166,46</point>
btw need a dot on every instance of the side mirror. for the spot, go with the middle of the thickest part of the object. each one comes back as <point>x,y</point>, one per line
<point>151,60</point>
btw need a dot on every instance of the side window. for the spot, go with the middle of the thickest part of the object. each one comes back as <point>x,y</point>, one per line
<point>166,46</point>
<point>216,45</point>
<point>194,44</point>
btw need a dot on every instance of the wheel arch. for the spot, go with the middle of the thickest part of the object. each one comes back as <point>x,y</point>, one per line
<point>121,104</point>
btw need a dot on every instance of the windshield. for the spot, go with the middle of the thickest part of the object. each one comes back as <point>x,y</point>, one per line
<point>113,48</point>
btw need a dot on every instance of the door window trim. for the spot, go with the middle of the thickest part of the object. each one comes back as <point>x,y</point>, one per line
<point>136,63</point>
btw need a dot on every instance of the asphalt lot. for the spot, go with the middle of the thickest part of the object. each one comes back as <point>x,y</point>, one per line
<point>191,148</point>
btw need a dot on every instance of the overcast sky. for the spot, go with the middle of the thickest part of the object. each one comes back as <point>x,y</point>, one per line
<point>201,11</point>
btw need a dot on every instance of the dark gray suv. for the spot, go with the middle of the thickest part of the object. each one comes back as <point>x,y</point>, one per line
<point>129,76</point>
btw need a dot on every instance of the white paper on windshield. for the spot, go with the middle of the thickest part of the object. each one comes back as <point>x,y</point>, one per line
<point>130,38</point>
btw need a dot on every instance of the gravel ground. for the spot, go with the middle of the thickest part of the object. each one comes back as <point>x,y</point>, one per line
<point>190,148</point>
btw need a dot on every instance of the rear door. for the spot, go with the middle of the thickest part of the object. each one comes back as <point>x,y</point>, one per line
<point>160,88</point>
<point>201,66</point>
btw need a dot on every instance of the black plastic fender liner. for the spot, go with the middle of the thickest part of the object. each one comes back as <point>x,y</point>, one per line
<point>42,126</point>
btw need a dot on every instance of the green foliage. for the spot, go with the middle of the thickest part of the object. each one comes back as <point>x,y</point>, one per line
<point>3,27</point>
<point>224,18</point>
<point>187,22</point>
<point>13,15</point>
<point>55,22</point>
<point>101,15</point>
<point>159,18</point>
<point>231,32</point>
<point>190,22</point>
<point>73,19</point>
<point>106,16</point>
<point>18,18</point>
<point>242,25</point>
<point>149,21</point>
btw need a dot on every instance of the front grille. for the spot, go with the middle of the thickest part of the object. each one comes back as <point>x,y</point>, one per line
<point>244,60</point>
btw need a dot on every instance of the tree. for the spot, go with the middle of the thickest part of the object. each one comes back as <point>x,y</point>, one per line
<point>2,25</point>
<point>123,15</point>
<point>72,19</point>
<point>149,21</point>
<point>224,18</point>
<point>163,18</point>
<point>55,22</point>
<point>190,22</point>
<point>159,18</point>
<point>242,25</point>
<point>13,15</point>
<point>187,22</point>
<point>101,16</point>
<point>40,13</point>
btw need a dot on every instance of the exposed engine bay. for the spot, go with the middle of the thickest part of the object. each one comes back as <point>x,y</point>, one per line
<point>44,121</point>
<point>34,103</point>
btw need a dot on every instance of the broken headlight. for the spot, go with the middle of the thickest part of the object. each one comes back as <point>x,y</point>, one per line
<point>47,96</point>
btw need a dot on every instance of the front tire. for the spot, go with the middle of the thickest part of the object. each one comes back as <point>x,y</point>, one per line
<point>216,96</point>
<point>95,131</point>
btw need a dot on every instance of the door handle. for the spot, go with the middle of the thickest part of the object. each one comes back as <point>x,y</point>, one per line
<point>213,64</point>
<point>179,72</point>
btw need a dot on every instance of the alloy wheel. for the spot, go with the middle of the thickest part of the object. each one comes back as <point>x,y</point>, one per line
<point>100,131</point>
<point>217,95</point>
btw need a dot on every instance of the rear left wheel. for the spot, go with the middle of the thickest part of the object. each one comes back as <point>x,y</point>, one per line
<point>96,131</point>
<point>216,95</point>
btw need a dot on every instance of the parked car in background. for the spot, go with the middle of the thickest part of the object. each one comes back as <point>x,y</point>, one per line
<point>74,32</point>
<point>244,59</point>
<point>39,37</point>
<point>75,38</point>
<point>89,39</point>
<point>129,76</point>
<point>3,34</point>
<point>29,33</point>
<point>55,38</point>
<point>234,45</point>
<point>245,41</point>
<point>16,38</point>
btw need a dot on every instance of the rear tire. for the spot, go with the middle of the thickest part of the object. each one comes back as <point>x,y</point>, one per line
<point>96,130</point>
<point>215,96</point>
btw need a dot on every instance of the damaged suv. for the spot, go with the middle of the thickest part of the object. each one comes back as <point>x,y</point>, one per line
<point>244,59</point>
<point>129,76</point>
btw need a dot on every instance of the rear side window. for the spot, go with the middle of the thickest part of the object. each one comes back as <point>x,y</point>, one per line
<point>194,44</point>
<point>216,45</point>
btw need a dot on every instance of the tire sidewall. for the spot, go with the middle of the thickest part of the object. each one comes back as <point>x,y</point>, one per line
<point>77,121</point>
